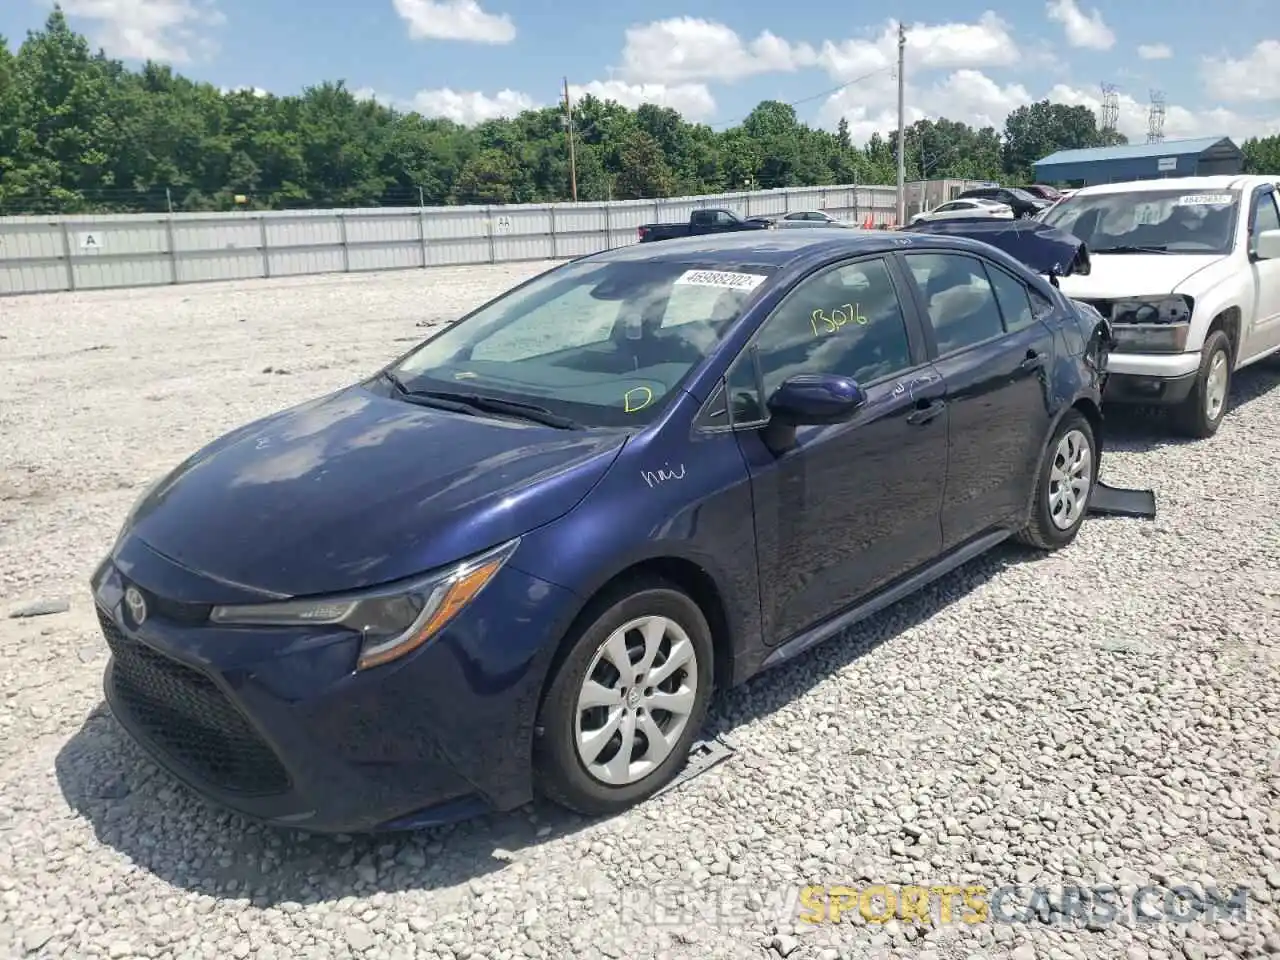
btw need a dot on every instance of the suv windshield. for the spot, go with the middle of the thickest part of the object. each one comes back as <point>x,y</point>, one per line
<point>1165,221</point>
<point>605,344</point>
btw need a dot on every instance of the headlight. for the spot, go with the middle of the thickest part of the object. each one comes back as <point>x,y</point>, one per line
<point>1164,309</point>
<point>1152,324</point>
<point>392,621</point>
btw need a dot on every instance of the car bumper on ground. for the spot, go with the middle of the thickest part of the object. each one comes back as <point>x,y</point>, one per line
<point>280,727</point>
<point>1142,378</point>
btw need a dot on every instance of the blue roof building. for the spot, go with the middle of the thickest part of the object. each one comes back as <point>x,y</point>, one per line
<point>1202,157</point>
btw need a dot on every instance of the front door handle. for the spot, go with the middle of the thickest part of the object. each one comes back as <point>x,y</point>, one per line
<point>925,411</point>
<point>1032,361</point>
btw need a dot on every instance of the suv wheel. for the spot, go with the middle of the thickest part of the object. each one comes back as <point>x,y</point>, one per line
<point>1200,415</point>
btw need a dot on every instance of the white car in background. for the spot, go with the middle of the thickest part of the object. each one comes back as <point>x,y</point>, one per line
<point>808,218</point>
<point>965,209</point>
<point>1188,272</point>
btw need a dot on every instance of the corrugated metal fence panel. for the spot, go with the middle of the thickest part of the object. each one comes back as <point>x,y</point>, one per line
<point>39,254</point>
<point>32,256</point>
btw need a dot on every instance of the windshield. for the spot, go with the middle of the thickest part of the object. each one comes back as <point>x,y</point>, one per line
<point>1165,221</point>
<point>605,344</point>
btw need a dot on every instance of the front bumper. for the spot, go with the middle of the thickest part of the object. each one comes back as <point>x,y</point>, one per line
<point>1150,378</point>
<point>277,725</point>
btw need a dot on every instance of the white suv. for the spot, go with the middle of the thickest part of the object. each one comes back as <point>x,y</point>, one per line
<point>1188,272</point>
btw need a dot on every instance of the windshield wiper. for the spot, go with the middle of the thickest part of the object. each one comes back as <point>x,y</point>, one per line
<point>472,402</point>
<point>516,408</point>
<point>423,400</point>
<point>1128,248</point>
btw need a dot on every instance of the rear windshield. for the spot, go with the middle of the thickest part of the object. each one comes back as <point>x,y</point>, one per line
<point>606,344</point>
<point>1171,221</point>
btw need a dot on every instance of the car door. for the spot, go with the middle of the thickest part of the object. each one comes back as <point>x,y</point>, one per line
<point>851,506</point>
<point>1264,336</point>
<point>994,355</point>
<point>958,209</point>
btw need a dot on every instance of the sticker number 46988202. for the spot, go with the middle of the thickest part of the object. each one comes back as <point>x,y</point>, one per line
<point>724,279</point>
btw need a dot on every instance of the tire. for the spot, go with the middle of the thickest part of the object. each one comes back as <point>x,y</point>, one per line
<point>1049,527</point>
<point>561,772</point>
<point>1196,417</point>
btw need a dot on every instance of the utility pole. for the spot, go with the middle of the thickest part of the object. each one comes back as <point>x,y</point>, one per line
<point>902,128</point>
<point>568,126</point>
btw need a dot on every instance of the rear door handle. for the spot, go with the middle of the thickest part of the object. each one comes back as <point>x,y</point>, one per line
<point>926,410</point>
<point>1032,361</point>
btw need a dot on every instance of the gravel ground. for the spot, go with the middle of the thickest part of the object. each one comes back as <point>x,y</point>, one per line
<point>1107,715</point>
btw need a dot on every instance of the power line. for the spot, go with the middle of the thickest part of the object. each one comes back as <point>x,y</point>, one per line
<point>812,97</point>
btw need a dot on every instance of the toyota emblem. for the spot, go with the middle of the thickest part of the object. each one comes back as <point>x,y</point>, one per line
<point>133,599</point>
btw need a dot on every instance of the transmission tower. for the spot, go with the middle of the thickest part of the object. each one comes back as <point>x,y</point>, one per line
<point>1110,108</point>
<point>1155,119</point>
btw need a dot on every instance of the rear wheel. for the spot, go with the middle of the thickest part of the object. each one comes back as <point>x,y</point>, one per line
<point>1201,413</point>
<point>1064,485</point>
<point>626,703</point>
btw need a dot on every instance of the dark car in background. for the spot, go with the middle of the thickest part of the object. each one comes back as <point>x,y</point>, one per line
<point>1043,191</point>
<point>523,555</point>
<point>701,222</point>
<point>1022,203</point>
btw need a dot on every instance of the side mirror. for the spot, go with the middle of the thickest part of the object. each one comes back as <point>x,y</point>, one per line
<point>1267,245</point>
<point>815,398</point>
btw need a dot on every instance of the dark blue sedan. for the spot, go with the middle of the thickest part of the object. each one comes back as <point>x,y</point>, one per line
<point>521,557</point>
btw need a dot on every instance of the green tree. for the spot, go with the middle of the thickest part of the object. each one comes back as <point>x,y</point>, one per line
<point>79,132</point>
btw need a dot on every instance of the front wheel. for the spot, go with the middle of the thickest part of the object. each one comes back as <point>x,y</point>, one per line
<point>1201,413</point>
<point>1064,485</point>
<point>625,704</point>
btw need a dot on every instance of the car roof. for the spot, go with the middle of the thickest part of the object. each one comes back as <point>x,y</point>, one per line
<point>777,248</point>
<point>1217,182</point>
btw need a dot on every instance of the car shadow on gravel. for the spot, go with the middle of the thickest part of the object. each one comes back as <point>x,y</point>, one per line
<point>1143,429</point>
<point>138,810</point>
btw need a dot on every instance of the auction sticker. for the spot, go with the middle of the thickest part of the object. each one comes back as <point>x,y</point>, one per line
<point>1205,200</point>
<point>724,279</point>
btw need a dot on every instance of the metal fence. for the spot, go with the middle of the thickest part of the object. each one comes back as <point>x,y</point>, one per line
<point>47,254</point>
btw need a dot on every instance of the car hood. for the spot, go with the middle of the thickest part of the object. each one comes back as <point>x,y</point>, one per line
<point>1116,275</point>
<point>354,489</point>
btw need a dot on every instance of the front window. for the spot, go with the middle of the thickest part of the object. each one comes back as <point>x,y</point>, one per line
<point>604,344</point>
<point>1156,221</point>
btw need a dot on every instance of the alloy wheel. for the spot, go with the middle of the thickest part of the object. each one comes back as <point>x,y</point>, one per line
<point>1070,479</point>
<point>636,700</point>
<point>1215,387</point>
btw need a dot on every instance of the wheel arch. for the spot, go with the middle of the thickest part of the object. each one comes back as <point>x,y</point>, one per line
<point>1228,320</point>
<point>679,572</point>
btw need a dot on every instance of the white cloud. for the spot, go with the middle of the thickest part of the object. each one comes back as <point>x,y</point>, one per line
<point>454,20</point>
<point>1179,122</point>
<point>687,49</point>
<point>172,31</point>
<point>1255,77</point>
<point>974,98</point>
<point>966,95</point>
<point>692,100</point>
<point>1086,30</point>
<point>985,43</point>
<point>256,91</point>
<point>1155,51</point>
<point>470,107</point>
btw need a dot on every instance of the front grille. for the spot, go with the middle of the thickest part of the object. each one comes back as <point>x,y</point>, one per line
<point>184,715</point>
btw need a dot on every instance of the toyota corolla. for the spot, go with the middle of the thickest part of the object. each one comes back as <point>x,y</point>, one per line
<point>520,558</point>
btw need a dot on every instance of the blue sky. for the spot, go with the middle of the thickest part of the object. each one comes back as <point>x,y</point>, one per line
<point>1218,65</point>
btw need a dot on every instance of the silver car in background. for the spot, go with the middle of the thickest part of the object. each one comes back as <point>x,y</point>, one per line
<point>966,209</point>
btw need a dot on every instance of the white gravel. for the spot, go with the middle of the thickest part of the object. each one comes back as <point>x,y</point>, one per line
<point>1110,714</point>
